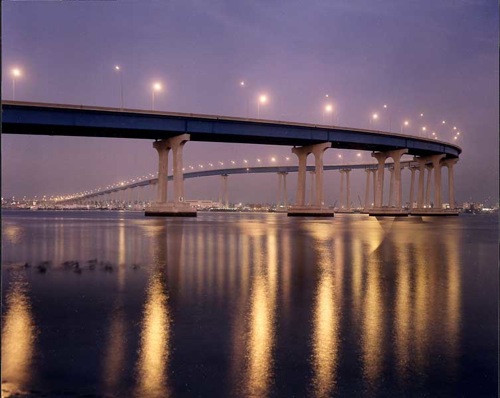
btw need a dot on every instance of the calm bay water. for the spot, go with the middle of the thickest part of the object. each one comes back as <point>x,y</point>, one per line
<point>248,305</point>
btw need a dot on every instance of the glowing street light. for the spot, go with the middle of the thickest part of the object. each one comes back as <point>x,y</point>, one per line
<point>119,70</point>
<point>386,107</point>
<point>328,110</point>
<point>156,87</point>
<point>373,118</point>
<point>404,124</point>
<point>262,100</point>
<point>247,100</point>
<point>16,72</point>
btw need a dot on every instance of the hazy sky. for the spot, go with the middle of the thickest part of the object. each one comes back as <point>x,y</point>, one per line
<point>439,57</point>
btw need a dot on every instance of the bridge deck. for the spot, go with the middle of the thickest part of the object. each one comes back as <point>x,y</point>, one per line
<point>70,120</point>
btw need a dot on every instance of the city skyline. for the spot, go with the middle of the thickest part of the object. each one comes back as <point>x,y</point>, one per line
<point>295,74</point>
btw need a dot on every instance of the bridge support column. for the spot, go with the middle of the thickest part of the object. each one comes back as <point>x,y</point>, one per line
<point>348,188</point>
<point>379,188</point>
<point>177,207</point>
<point>395,184</point>
<point>300,209</point>
<point>421,181</point>
<point>345,206</point>
<point>391,187</point>
<point>367,189</point>
<point>224,200</point>
<point>341,203</point>
<point>312,173</point>
<point>436,163</point>
<point>428,188</point>
<point>396,156</point>
<point>413,169</point>
<point>282,194</point>
<point>451,181</point>
<point>301,153</point>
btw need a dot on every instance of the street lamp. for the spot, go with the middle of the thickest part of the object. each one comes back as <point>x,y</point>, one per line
<point>16,72</point>
<point>388,116</point>
<point>156,87</point>
<point>328,109</point>
<point>373,117</point>
<point>424,129</point>
<point>243,85</point>
<point>405,124</point>
<point>262,100</point>
<point>119,70</point>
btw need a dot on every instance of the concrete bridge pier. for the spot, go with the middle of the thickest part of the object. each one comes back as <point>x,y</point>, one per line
<point>451,181</point>
<point>282,192</point>
<point>413,169</point>
<point>345,206</point>
<point>433,165</point>
<point>224,196</point>
<point>367,188</point>
<point>316,209</point>
<point>177,207</point>
<point>396,188</point>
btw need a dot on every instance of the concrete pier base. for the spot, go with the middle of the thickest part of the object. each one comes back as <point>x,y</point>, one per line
<point>170,210</point>
<point>434,212</point>
<point>345,211</point>
<point>388,212</point>
<point>309,211</point>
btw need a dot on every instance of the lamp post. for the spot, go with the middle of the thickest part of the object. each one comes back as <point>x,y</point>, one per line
<point>119,70</point>
<point>16,72</point>
<point>404,124</point>
<point>156,87</point>
<point>262,100</point>
<point>388,116</point>
<point>328,109</point>
<point>373,117</point>
<point>243,85</point>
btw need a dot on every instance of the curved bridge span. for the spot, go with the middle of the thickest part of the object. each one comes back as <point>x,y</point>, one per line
<point>171,131</point>
<point>83,121</point>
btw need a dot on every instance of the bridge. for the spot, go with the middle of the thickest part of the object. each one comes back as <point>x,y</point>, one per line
<point>171,131</point>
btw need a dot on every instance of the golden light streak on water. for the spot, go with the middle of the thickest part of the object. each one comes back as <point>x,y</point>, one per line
<point>155,342</point>
<point>12,232</point>
<point>453,300</point>
<point>262,317</point>
<point>403,311</point>
<point>422,303</point>
<point>357,275</point>
<point>372,324</point>
<point>154,353</point>
<point>326,309</point>
<point>18,338</point>
<point>325,336</point>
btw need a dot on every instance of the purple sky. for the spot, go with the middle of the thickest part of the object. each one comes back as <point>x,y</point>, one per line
<point>439,57</point>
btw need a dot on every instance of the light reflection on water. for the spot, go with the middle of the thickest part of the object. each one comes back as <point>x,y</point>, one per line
<point>219,306</point>
<point>18,337</point>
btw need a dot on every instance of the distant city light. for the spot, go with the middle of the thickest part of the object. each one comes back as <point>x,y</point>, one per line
<point>242,83</point>
<point>117,67</point>
<point>385,106</point>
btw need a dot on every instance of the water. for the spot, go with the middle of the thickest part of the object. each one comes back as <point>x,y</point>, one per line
<point>248,305</point>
